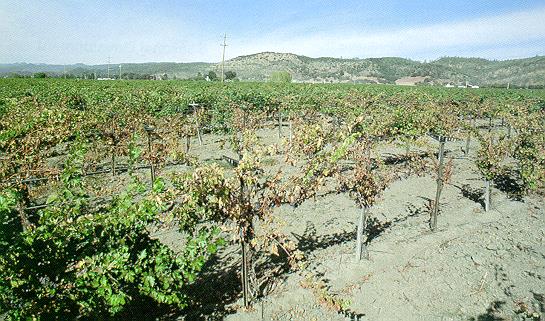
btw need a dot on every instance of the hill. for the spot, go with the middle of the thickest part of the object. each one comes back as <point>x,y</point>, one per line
<point>518,72</point>
<point>259,67</point>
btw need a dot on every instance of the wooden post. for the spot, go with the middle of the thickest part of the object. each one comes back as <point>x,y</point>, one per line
<point>149,131</point>
<point>244,239</point>
<point>245,119</point>
<point>114,145</point>
<point>435,210</point>
<point>22,216</point>
<point>291,131</point>
<point>25,223</point>
<point>486,195</point>
<point>187,133</point>
<point>187,143</point>
<point>199,134</point>
<point>279,124</point>
<point>245,292</point>
<point>197,122</point>
<point>361,247</point>
<point>468,141</point>
<point>113,162</point>
<point>368,153</point>
<point>245,273</point>
<point>359,236</point>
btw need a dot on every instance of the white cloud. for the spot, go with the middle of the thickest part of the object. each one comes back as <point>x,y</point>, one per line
<point>59,32</point>
<point>506,30</point>
<point>53,32</point>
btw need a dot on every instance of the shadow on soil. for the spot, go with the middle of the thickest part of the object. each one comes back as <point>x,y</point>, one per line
<point>492,313</point>
<point>540,298</point>
<point>473,194</point>
<point>510,185</point>
<point>146,310</point>
<point>218,288</point>
<point>397,159</point>
<point>414,211</point>
<point>506,183</point>
<point>214,294</point>
<point>347,313</point>
<point>309,241</point>
<point>498,312</point>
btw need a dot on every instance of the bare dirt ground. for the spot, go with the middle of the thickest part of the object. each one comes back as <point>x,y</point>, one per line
<point>477,266</point>
<point>410,81</point>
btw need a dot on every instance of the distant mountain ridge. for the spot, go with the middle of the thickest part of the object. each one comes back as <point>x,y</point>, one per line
<point>259,67</point>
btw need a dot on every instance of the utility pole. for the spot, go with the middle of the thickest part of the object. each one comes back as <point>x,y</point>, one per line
<point>223,57</point>
<point>119,72</point>
<point>64,72</point>
<point>109,66</point>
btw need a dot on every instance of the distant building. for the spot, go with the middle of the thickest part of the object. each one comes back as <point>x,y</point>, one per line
<point>467,85</point>
<point>449,85</point>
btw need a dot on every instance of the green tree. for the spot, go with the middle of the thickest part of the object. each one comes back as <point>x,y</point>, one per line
<point>280,77</point>
<point>15,75</point>
<point>230,75</point>
<point>212,75</point>
<point>40,75</point>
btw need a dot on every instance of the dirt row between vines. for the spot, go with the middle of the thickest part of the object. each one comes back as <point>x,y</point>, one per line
<point>477,266</point>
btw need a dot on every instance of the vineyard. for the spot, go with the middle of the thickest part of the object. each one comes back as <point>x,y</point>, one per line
<point>255,201</point>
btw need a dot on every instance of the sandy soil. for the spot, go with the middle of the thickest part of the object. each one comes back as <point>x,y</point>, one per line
<point>477,266</point>
<point>410,81</point>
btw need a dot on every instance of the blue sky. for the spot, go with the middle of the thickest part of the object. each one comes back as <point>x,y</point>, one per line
<point>73,31</point>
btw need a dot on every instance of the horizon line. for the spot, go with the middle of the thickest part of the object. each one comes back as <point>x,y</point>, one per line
<point>269,52</point>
